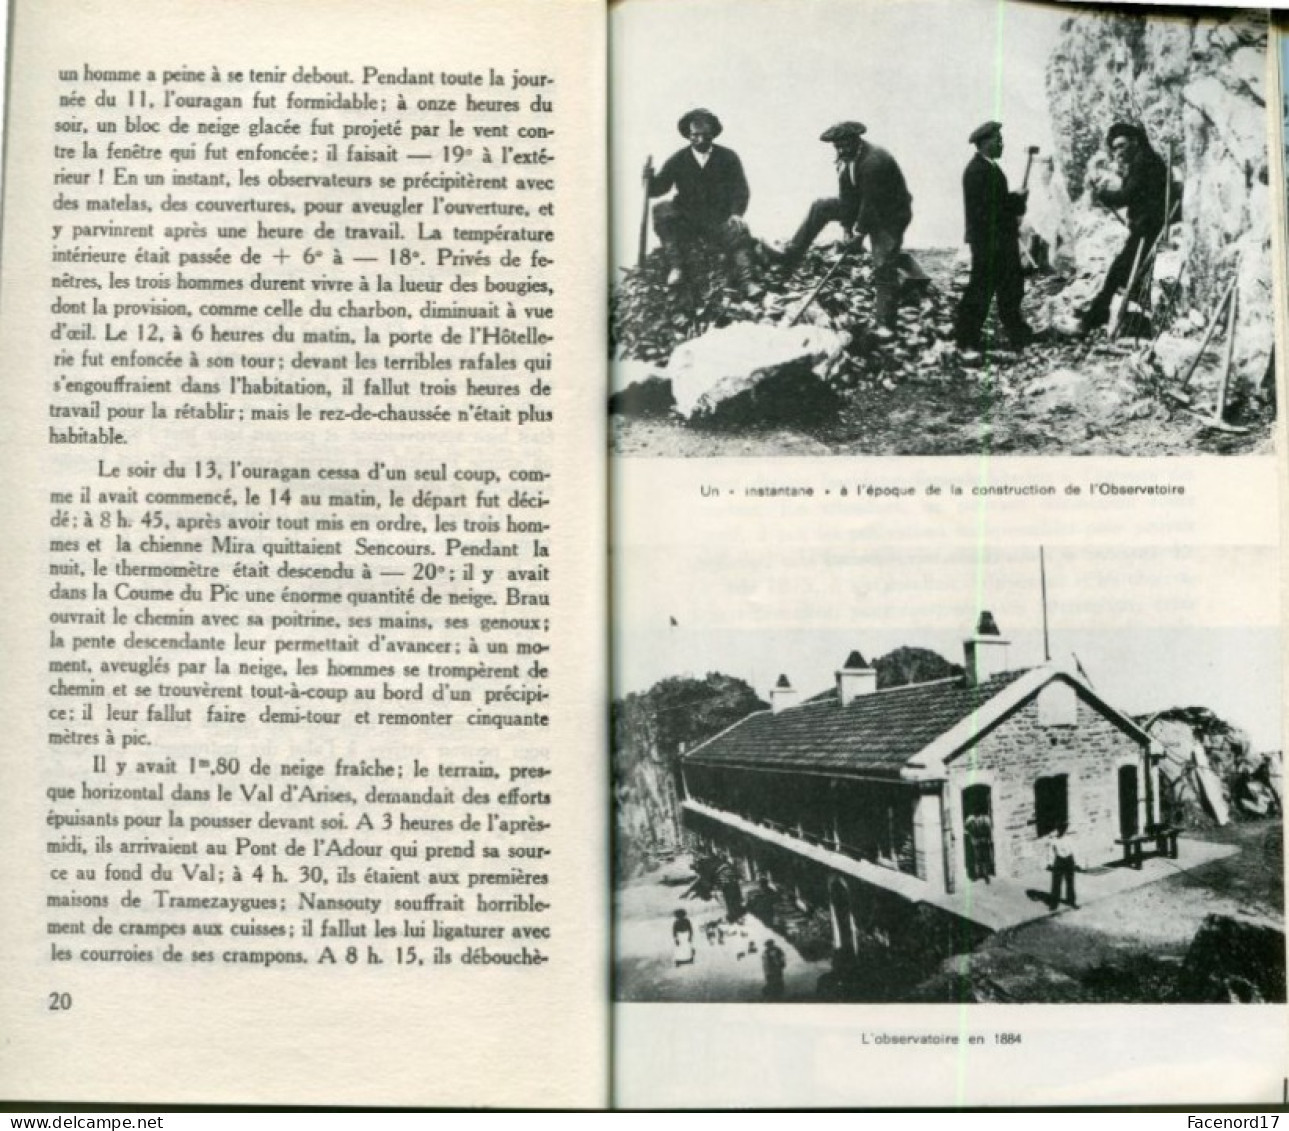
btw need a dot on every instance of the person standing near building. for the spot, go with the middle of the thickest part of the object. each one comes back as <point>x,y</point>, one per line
<point>872,201</point>
<point>682,938</point>
<point>980,847</point>
<point>992,214</point>
<point>773,962</point>
<point>1062,861</point>
<point>711,197</point>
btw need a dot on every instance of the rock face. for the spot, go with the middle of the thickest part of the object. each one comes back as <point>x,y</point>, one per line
<point>1188,737</point>
<point>1197,86</point>
<point>649,732</point>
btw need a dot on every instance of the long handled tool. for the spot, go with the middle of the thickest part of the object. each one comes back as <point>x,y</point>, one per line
<point>1113,211</point>
<point>1127,294</point>
<point>1169,300</point>
<point>1030,154</point>
<point>1228,305</point>
<point>1217,419</point>
<point>810,298</point>
<point>644,219</point>
<point>1179,394</point>
<point>1219,409</point>
<point>1140,272</point>
<point>1168,193</point>
<point>1024,188</point>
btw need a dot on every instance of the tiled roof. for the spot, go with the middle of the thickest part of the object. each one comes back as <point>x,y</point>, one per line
<point>876,733</point>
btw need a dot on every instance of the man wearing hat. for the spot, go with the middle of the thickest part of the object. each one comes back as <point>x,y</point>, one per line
<point>993,215</point>
<point>1143,192</point>
<point>711,197</point>
<point>872,200</point>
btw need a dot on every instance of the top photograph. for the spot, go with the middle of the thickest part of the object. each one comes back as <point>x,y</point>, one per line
<point>941,227</point>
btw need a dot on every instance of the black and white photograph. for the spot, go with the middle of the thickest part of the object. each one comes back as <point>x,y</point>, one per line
<point>939,228</point>
<point>890,775</point>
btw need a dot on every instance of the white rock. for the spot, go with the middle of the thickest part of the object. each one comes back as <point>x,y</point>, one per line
<point>1174,355</point>
<point>725,362</point>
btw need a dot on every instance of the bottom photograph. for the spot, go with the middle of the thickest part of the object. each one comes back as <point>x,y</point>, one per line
<point>1081,805</point>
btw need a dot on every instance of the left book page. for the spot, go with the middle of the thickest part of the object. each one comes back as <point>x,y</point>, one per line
<point>303,606</point>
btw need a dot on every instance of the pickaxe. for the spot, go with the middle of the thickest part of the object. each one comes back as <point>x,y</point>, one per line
<point>1030,154</point>
<point>1113,211</point>
<point>810,298</point>
<point>1141,270</point>
<point>1227,304</point>
<point>644,219</point>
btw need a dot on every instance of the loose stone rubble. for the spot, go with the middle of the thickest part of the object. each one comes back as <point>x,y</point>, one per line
<point>690,350</point>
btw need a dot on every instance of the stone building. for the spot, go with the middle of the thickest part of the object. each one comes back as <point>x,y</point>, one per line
<point>868,802</point>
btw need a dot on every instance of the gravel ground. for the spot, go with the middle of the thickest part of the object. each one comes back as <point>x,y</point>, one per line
<point>724,969</point>
<point>1130,947</point>
<point>1126,948</point>
<point>1059,396</point>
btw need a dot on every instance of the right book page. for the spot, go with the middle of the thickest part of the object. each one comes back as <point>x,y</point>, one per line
<point>947,484</point>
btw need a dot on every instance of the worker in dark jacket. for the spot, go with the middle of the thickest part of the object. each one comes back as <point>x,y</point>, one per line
<point>711,197</point>
<point>1142,192</point>
<point>993,215</point>
<point>872,201</point>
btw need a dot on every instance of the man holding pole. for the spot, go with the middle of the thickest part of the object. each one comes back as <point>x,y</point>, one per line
<point>1143,191</point>
<point>711,198</point>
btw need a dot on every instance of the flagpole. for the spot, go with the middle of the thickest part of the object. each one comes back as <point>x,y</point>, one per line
<point>1042,574</point>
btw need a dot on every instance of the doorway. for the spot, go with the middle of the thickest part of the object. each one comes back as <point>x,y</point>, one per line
<point>978,832</point>
<point>1129,821</point>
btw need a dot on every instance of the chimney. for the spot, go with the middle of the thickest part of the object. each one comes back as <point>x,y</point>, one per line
<point>783,695</point>
<point>855,678</point>
<point>986,653</point>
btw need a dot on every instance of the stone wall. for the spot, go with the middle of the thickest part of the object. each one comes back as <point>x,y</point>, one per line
<point>1198,86</point>
<point>1020,751</point>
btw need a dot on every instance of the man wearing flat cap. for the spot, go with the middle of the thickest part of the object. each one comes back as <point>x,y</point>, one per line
<point>711,197</point>
<point>872,201</point>
<point>992,214</point>
<point>1142,191</point>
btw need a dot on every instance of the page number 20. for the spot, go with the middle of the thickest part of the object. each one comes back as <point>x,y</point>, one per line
<point>59,1002</point>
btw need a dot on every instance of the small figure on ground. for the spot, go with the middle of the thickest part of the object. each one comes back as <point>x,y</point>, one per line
<point>711,197</point>
<point>773,962</point>
<point>872,201</point>
<point>1142,192</point>
<point>993,214</point>
<point>682,938</point>
<point>1061,859</point>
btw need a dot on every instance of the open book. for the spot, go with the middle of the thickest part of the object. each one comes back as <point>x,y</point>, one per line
<point>933,571</point>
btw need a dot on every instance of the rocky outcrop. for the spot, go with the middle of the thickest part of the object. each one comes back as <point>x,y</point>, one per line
<point>905,665</point>
<point>645,798</point>
<point>649,732</point>
<point>1198,87</point>
<point>1190,740</point>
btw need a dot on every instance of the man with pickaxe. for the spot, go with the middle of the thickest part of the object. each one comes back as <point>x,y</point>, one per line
<point>872,201</point>
<point>993,215</point>
<point>1145,186</point>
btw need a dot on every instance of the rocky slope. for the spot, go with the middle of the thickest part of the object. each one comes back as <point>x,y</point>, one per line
<point>1198,87</point>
